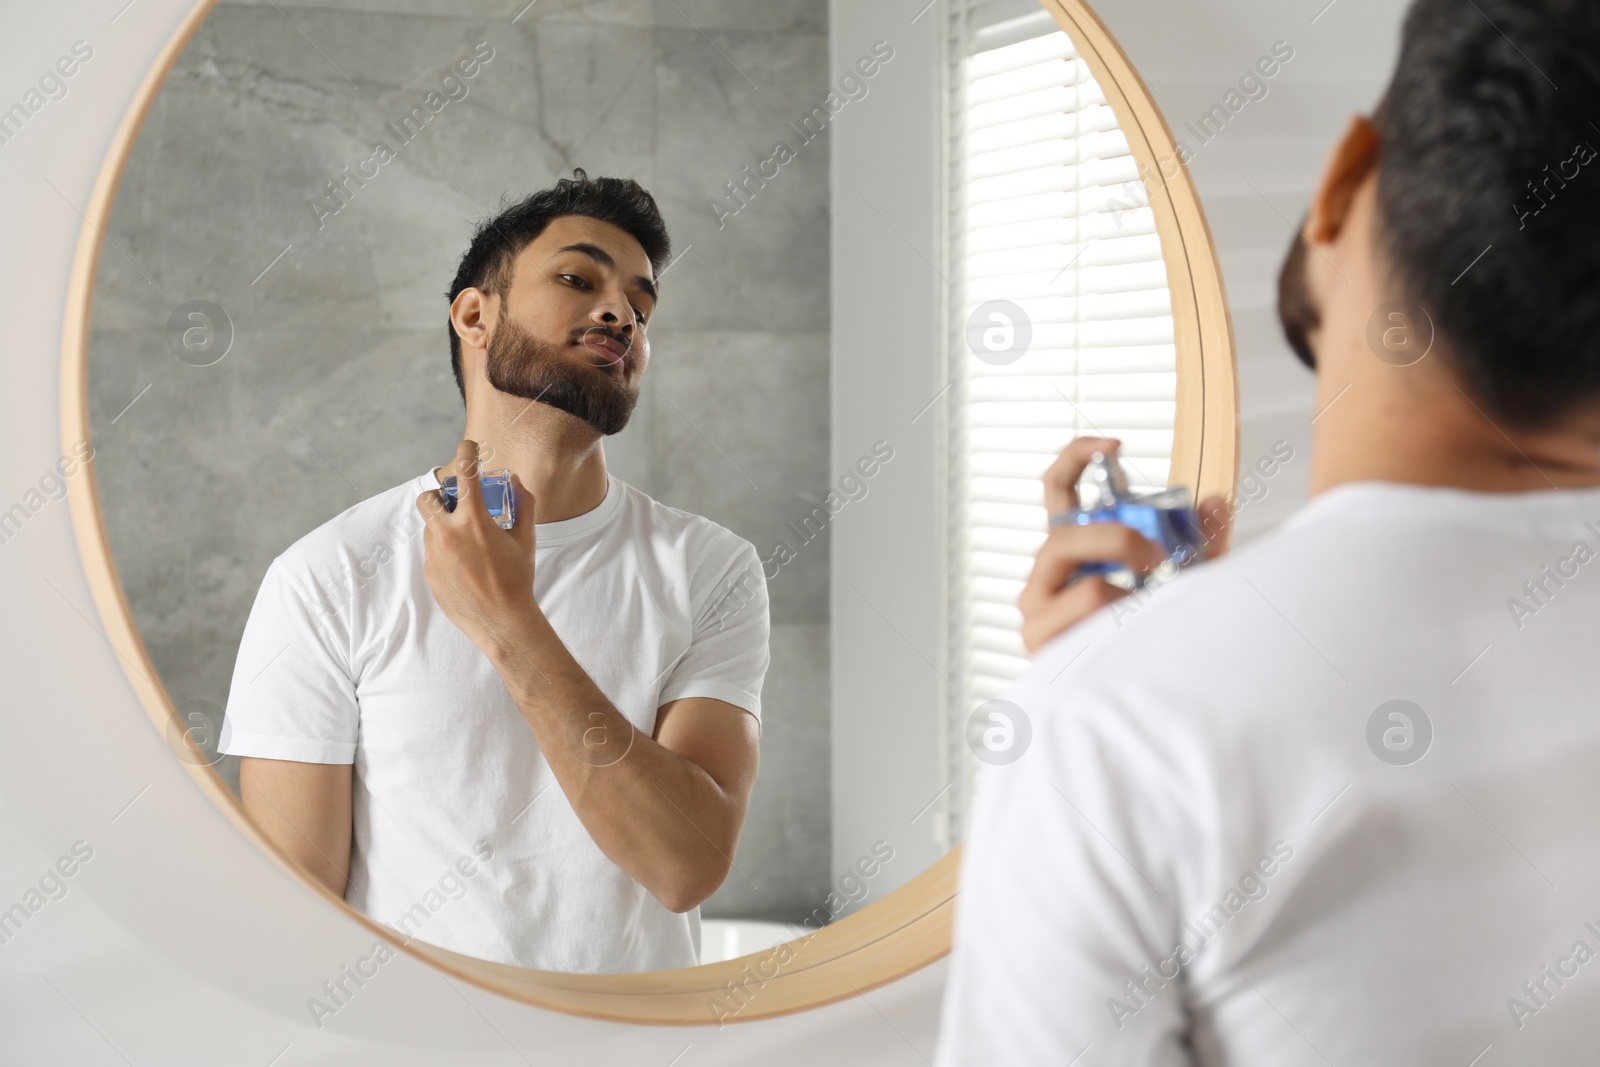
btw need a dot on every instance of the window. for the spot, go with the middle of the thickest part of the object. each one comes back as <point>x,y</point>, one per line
<point>1059,322</point>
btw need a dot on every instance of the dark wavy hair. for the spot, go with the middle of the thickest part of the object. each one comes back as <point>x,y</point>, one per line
<point>487,263</point>
<point>1478,146</point>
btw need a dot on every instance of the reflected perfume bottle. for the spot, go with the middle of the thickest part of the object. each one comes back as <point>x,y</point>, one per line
<point>498,496</point>
<point>1165,516</point>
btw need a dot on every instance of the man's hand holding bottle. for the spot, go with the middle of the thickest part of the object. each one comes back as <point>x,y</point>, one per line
<point>1057,595</point>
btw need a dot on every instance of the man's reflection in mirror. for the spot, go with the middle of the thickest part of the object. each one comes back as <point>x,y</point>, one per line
<point>533,745</point>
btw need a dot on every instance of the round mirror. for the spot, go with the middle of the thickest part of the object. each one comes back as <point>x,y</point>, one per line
<point>266,377</point>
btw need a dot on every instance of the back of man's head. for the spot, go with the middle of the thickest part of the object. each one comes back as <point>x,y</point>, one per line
<point>1490,158</point>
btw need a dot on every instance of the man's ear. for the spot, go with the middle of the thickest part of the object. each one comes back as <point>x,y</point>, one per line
<point>472,313</point>
<point>1353,159</point>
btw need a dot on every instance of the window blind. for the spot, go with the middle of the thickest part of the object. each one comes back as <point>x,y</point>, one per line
<point>1047,212</point>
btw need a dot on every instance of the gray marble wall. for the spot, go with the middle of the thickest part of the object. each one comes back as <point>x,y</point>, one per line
<point>337,384</point>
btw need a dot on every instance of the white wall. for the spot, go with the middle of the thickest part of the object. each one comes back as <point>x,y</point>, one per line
<point>888,620</point>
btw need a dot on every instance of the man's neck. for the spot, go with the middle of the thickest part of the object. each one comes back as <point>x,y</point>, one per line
<point>1434,434</point>
<point>559,459</point>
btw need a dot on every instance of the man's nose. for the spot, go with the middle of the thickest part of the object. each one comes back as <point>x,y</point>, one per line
<point>614,312</point>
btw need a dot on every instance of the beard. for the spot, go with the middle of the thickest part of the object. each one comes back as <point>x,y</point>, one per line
<point>1296,312</point>
<point>522,365</point>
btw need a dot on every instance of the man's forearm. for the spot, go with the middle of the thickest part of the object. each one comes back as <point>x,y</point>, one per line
<point>655,814</point>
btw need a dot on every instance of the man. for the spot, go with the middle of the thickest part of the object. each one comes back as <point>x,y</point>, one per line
<point>1333,799</point>
<point>403,704</point>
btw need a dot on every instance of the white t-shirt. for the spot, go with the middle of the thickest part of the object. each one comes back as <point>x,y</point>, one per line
<point>462,837</point>
<point>1200,774</point>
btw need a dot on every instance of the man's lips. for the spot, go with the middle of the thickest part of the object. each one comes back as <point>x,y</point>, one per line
<point>608,348</point>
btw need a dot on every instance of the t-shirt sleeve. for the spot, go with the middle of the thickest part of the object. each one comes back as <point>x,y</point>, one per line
<point>1062,931</point>
<point>292,696</point>
<point>728,655</point>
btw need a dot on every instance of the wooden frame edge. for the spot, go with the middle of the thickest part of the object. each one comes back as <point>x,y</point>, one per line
<point>909,928</point>
<point>1205,439</point>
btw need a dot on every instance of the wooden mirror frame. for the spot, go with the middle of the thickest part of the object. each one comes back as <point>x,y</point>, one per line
<point>910,927</point>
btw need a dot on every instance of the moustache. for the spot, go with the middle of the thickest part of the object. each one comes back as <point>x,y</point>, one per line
<point>625,341</point>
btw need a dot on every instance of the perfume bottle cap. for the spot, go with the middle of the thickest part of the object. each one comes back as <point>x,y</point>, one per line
<point>1103,483</point>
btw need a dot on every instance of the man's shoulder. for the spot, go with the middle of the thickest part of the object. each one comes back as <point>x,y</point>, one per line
<point>1144,614</point>
<point>1282,622</point>
<point>699,536</point>
<point>1356,552</point>
<point>1175,648</point>
<point>376,528</point>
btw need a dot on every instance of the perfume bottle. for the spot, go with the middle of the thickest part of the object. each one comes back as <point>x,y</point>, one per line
<point>498,496</point>
<point>1165,516</point>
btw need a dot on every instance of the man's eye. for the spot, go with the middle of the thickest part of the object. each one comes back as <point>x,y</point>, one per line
<point>578,281</point>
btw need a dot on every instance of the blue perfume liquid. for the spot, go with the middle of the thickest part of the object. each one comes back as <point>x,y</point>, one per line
<point>498,496</point>
<point>1165,516</point>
